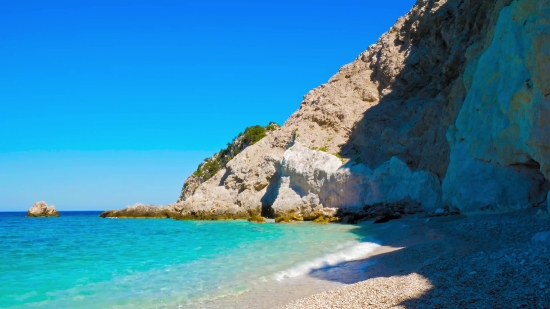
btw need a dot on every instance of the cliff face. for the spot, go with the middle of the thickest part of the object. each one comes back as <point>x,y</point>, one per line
<point>500,142</point>
<point>450,108</point>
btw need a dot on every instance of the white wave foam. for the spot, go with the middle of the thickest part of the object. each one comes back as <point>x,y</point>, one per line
<point>349,252</point>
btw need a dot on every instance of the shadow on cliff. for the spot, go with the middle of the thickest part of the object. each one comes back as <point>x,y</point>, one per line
<point>421,101</point>
<point>412,118</point>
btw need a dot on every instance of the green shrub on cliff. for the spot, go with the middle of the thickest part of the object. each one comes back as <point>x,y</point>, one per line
<point>272,126</point>
<point>251,136</point>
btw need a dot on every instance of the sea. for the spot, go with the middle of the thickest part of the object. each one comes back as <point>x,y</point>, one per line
<point>79,260</point>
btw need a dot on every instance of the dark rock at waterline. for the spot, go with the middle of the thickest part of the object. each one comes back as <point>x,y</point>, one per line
<point>382,212</point>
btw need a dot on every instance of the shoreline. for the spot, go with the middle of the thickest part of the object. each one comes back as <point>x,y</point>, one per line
<point>481,261</point>
<point>277,293</point>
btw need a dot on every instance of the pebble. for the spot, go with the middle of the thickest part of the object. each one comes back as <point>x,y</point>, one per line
<point>431,276</point>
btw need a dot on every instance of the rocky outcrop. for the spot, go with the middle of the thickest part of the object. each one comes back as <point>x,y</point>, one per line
<point>141,211</point>
<point>41,209</point>
<point>381,212</point>
<point>315,182</point>
<point>449,110</point>
<point>211,166</point>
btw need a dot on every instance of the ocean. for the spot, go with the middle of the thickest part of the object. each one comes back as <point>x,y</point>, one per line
<point>79,260</point>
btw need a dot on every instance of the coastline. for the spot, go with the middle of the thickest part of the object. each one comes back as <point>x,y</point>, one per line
<point>322,278</point>
<point>481,261</point>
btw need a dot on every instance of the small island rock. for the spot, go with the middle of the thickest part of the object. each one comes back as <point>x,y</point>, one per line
<point>41,209</point>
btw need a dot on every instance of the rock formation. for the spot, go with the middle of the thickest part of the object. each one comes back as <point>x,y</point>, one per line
<point>450,109</point>
<point>41,209</point>
<point>141,211</point>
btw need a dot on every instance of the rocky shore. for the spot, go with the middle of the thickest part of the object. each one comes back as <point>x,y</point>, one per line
<point>41,209</point>
<point>443,123</point>
<point>141,211</point>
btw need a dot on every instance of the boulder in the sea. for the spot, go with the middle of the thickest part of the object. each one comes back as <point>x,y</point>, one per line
<point>41,209</point>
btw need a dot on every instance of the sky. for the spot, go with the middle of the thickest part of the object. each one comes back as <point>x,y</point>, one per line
<point>108,103</point>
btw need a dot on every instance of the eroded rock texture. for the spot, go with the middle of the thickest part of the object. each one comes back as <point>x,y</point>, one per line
<point>500,142</point>
<point>141,211</point>
<point>450,108</point>
<point>41,209</point>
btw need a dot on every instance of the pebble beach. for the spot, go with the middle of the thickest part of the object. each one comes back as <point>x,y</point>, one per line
<point>479,261</point>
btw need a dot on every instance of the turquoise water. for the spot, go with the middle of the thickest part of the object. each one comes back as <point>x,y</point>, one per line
<point>82,261</point>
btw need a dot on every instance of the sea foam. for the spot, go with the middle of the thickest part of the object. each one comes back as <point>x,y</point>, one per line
<point>351,251</point>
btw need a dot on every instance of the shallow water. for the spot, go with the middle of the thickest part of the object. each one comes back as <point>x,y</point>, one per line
<point>82,261</point>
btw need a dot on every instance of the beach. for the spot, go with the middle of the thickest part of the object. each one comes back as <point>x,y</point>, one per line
<point>480,261</point>
<point>474,261</point>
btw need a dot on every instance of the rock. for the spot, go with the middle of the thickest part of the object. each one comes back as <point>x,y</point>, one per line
<point>363,220</point>
<point>329,186</point>
<point>541,237</point>
<point>500,152</point>
<point>257,219</point>
<point>41,209</point>
<point>541,214</point>
<point>141,211</point>
<point>382,219</point>
<point>431,113</point>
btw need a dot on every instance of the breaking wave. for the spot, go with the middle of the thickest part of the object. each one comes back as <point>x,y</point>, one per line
<point>349,252</point>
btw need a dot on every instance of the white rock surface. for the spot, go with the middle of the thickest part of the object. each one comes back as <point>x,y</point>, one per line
<point>41,209</point>
<point>322,180</point>
<point>500,150</point>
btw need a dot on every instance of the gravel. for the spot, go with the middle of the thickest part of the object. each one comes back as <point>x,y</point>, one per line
<point>483,261</point>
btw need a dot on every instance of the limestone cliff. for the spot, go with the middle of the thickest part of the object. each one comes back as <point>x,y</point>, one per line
<point>211,166</point>
<point>450,108</point>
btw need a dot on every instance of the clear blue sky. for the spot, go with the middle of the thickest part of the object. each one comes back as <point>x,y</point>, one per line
<point>106,103</point>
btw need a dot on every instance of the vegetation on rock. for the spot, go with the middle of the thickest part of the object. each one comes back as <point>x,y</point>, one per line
<point>251,136</point>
